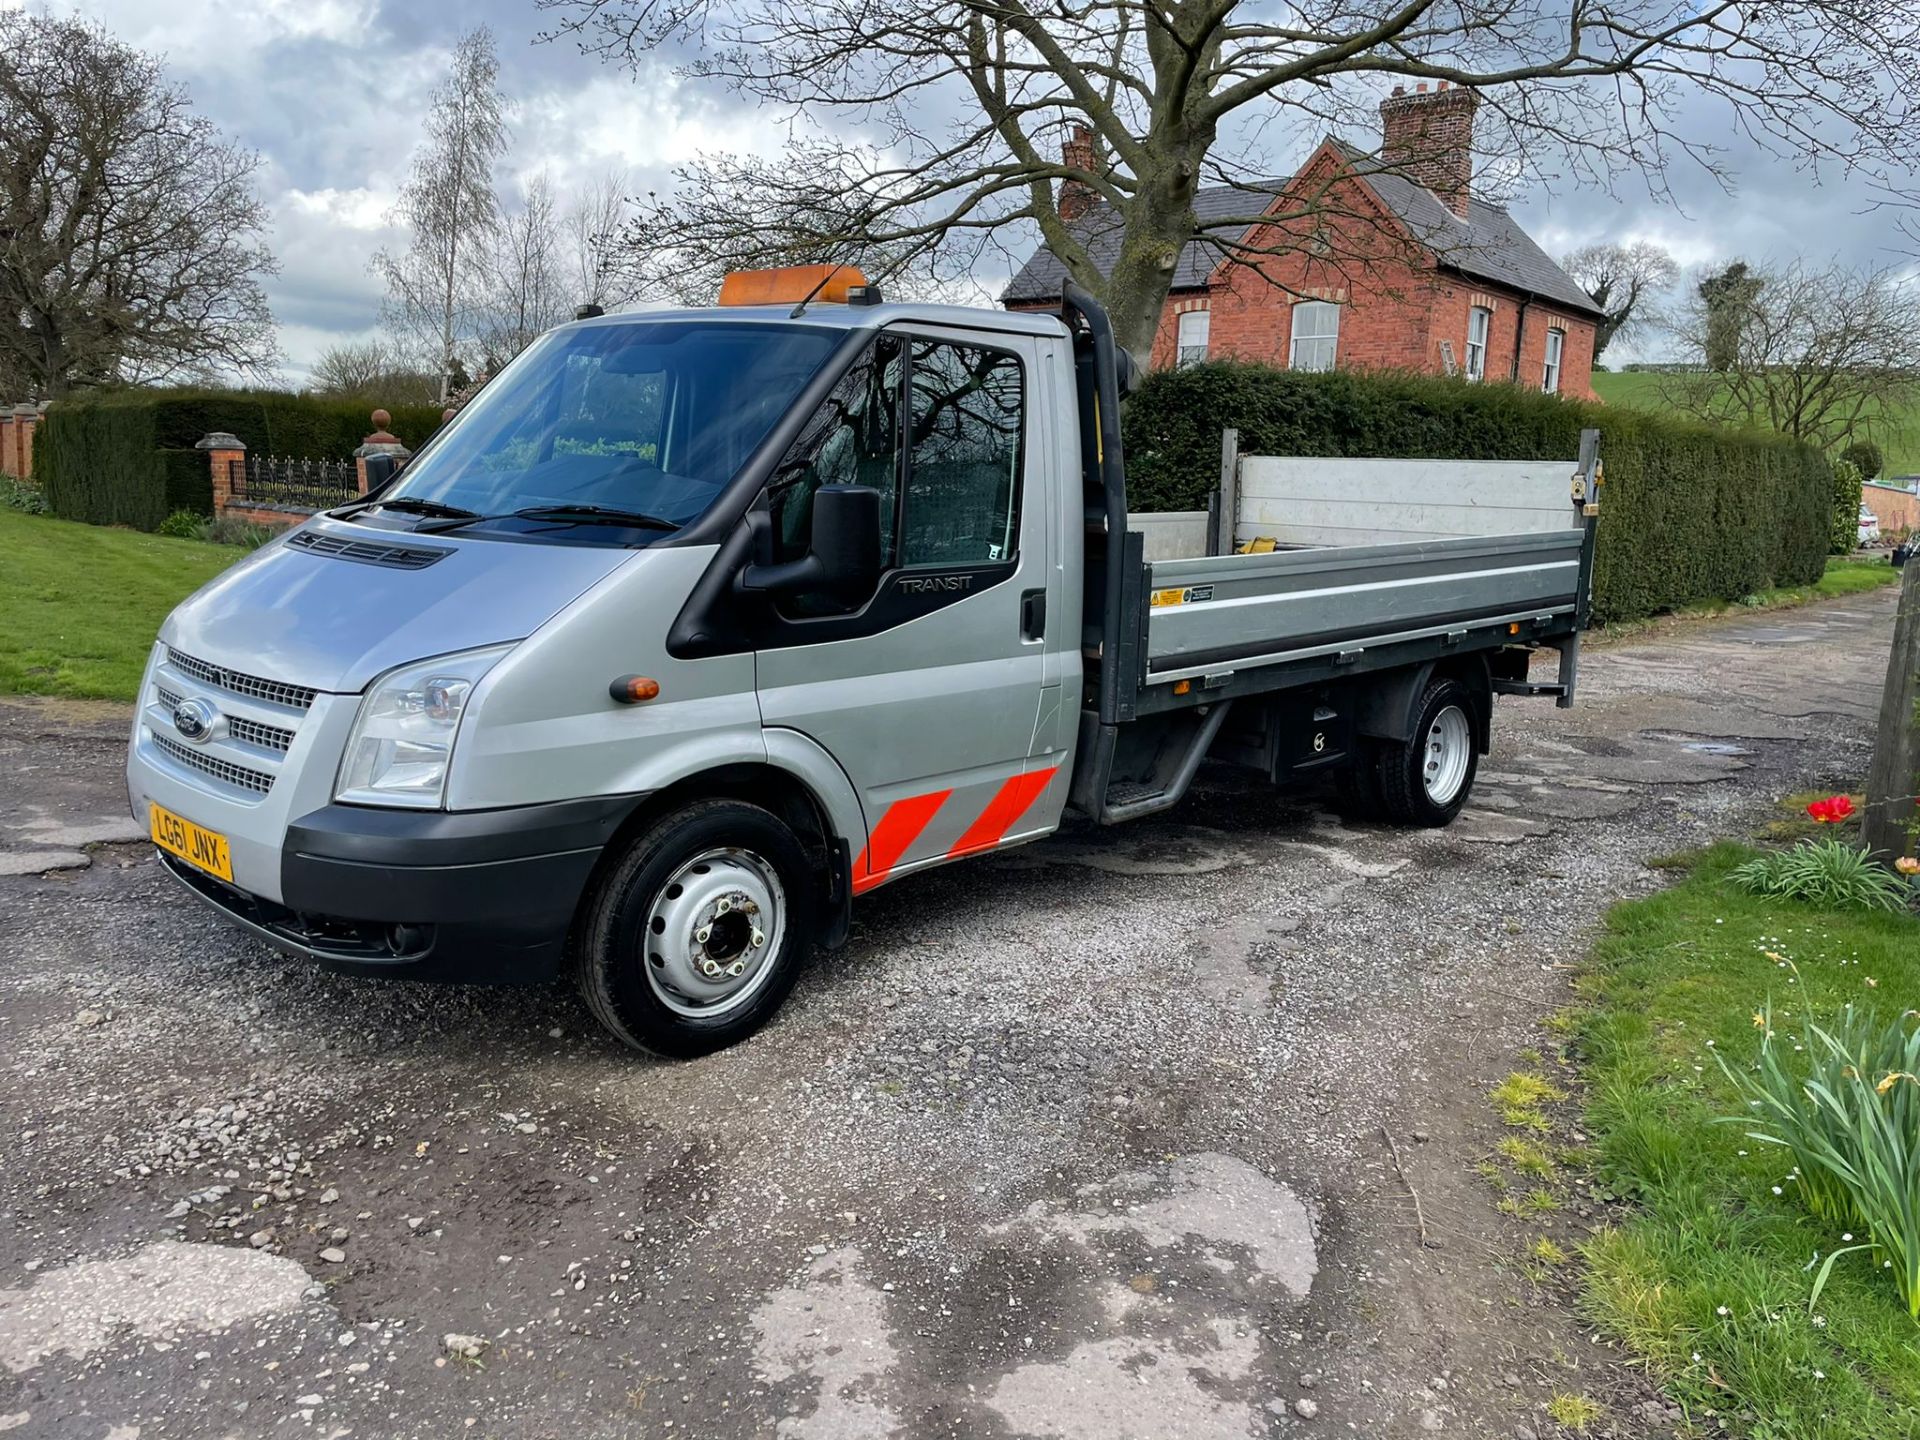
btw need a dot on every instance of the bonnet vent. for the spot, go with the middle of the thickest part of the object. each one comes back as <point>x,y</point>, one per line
<point>368,552</point>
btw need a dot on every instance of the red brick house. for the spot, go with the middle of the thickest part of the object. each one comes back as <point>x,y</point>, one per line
<point>1381,262</point>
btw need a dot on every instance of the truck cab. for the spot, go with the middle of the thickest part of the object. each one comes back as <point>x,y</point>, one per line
<point>689,629</point>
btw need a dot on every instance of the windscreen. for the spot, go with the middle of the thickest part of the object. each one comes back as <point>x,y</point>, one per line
<point>649,417</point>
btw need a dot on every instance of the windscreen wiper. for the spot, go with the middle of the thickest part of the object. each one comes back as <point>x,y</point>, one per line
<point>565,514</point>
<point>410,505</point>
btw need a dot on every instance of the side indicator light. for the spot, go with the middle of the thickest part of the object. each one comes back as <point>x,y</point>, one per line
<point>1181,687</point>
<point>634,689</point>
<point>1513,629</point>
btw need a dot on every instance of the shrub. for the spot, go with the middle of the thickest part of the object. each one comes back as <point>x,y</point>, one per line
<point>128,457</point>
<point>1689,513</point>
<point>1828,873</point>
<point>181,525</point>
<point>1846,508</point>
<point>232,530</point>
<point>21,495</point>
<point>1868,456</point>
<point>1849,1113</point>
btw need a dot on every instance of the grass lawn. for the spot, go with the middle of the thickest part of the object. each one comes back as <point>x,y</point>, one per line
<point>1708,1280</point>
<point>80,604</point>
<point>1639,390</point>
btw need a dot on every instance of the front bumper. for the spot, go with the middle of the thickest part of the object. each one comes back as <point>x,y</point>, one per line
<point>485,896</point>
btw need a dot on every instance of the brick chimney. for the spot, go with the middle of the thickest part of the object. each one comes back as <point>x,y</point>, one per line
<point>1076,196</point>
<point>1428,137</point>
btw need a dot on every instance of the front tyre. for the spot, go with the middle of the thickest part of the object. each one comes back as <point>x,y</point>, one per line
<point>1426,779</point>
<point>696,933</point>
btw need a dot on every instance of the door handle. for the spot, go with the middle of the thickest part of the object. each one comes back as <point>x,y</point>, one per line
<point>1033,615</point>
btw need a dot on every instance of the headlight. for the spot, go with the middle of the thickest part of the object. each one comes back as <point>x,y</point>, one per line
<point>402,739</point>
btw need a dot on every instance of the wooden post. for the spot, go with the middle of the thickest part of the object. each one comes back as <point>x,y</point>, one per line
<point>1224,507</point>
<point>1893,783</point>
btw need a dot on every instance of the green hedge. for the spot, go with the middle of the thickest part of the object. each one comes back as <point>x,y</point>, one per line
<point>127,458</point>
<point>1688,513</point>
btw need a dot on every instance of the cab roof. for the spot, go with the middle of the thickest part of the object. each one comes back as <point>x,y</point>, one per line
<point>853,317</point>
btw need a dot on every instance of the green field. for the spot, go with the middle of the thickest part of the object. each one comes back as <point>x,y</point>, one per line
<point>1708,1278</point>
<point>80,604</point>
<point>1641,391</point>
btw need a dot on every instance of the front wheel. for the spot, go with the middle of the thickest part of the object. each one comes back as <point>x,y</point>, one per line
<point>1426,779</point>
<point>698,930</point>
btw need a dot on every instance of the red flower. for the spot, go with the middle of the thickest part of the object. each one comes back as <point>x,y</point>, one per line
<point>1833,810</point>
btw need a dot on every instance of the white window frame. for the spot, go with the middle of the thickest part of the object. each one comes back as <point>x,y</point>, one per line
<point>1480,320</point>
<point>1192,331</point>
<point>1550,371</point>
<point>1318,349</point>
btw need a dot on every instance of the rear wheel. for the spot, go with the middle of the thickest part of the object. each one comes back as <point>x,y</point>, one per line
<point>1427,778</point>
<point>697,932</point>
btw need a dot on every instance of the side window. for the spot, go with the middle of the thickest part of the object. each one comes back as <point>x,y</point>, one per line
<point>962,504</point>
<point>852,439</point>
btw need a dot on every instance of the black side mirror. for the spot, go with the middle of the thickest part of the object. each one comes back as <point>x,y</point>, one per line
<point>843,550</point>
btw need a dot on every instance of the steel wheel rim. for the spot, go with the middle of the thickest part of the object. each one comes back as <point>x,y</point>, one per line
<point>712,932</point>
<point>1448,750</point>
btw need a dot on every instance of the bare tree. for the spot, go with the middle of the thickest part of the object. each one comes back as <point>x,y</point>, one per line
<point>1626,281</point>
<point>450,206</point>
<point>595,265</point>
<point>527,290</point>
<point>130,234</point>
<point>922,129</point>
<point>1824,355</point>
<point>373,370</point>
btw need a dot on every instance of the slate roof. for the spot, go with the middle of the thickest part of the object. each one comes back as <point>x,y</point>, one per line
<point>1487,245</point>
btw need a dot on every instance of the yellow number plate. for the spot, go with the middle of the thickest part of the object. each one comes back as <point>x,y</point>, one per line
<point>194,844</point>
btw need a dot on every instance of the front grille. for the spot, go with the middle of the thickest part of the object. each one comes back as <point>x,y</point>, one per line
<point>237,775</point>
<point>268,737</point>
<point>296,697</point>
<point>368,552</point>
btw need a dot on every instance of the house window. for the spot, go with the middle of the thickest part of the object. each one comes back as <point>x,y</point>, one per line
<point>1316,335</point>
<point>1479,322</point>
<point>1550,376</point>
<point>1192,341</point>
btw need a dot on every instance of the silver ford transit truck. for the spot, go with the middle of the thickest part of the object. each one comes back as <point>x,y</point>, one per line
<point>694,626</point>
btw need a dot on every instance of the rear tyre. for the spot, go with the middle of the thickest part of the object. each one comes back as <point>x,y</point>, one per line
<point>1427,778</point>
<point>697,932</point>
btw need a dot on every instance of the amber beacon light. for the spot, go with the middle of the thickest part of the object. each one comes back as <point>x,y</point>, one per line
<point>790,284</point>
<point>634,689</point>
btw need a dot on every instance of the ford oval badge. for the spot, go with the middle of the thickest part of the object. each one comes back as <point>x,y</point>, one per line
<point>194,719</point>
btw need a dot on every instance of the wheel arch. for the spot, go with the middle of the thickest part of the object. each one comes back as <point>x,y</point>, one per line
<point>772,787</point>
<point>1389,702</point>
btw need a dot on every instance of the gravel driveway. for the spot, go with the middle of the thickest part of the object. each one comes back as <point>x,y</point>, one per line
<point>1115,1136</point>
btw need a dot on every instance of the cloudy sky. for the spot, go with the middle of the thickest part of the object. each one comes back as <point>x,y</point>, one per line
<point>331,92</point>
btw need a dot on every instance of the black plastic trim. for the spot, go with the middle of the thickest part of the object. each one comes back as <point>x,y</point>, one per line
<point>367,835</point>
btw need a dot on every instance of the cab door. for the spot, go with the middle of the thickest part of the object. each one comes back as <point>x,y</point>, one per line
<point>929,693</point>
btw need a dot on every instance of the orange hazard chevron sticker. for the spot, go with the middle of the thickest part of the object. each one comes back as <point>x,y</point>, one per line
<point>904,821</point>
<point>1002,812</point>
<point>898,829</point>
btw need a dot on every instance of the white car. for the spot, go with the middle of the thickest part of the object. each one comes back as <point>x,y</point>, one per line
<point>1869,527</point>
